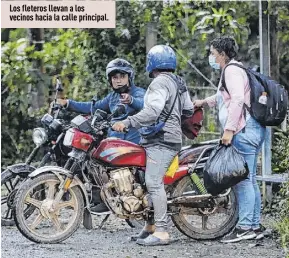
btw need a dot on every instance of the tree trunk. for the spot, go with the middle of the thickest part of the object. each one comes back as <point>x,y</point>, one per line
<point>5,33</point>
<point>151,35</point>
<point>36,37</point>
<point>274,48</point>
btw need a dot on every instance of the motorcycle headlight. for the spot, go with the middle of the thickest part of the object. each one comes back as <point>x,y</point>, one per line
<point>39,136</point>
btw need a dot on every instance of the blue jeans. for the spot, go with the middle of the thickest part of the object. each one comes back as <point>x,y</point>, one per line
<point>249,144</point>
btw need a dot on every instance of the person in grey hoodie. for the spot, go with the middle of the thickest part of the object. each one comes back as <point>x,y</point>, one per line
<point>166,99</point>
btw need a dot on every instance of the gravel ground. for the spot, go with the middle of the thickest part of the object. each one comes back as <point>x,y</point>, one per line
<point>113,241</point>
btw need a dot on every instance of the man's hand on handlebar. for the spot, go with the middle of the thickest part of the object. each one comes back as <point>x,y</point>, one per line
<point>119,127</point>
<point>59,103</point>
<point>62,102</point>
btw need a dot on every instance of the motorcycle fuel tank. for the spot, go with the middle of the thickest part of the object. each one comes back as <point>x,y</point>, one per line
<point>116,152</point>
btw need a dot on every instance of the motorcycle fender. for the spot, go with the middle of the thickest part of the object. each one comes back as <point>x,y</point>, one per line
<point>190,155</point>
<point>21,168</point>
<point>60,172</point>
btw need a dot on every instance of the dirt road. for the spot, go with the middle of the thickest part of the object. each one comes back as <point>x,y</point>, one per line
<point>113,241</point>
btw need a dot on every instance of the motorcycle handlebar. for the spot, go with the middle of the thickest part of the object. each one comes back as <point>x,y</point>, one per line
<point>107,125</point>
<point>125,130</point>
<point>56,106</point>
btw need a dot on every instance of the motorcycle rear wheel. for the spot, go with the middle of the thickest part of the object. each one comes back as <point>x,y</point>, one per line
<point>47,226</point>
<point>197,226</point>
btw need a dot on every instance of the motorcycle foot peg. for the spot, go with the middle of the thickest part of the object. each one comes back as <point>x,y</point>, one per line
<point>87,220</point>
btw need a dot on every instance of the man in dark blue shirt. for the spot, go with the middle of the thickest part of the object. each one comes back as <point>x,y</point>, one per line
<point>120,75</point>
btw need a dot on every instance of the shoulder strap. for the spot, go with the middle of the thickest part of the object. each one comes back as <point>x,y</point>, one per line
<point>177,93</point>
<point>223,74</point>
<point>245,107</point>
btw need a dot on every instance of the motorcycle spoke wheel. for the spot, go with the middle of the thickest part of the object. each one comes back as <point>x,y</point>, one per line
<point>56,223</point>
<point>51,190</point>
<point>4,199</point>
<point>33,201</point>
<point>9,184</point>
<point>50,222</point>
<point>65,204</point>
<point>8,214</point>
<point>204,223</point>
<point>223,210</point>
<point>36,222</point>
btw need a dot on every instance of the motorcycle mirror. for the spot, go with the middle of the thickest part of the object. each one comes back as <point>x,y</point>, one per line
<point>58,85</point>
<point>94,99</point>
<point>99,115</point>
<point>59,89</point>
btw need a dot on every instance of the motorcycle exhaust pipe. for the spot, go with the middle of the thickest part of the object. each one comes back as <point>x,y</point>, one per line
<point>196,198</point>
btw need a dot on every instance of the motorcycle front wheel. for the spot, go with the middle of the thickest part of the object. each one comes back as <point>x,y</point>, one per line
<point>51,222</point>
<point>204,223</point>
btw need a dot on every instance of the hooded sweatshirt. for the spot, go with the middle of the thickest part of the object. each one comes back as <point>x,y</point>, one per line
<point>158,101</point>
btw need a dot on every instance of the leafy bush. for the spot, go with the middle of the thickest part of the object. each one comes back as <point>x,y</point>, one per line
<point>283,225</point>
<point>17,83</point>
<point>25,91</point>
<point>280,152</point>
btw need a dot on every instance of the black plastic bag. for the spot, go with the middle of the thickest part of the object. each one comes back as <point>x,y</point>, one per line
<point>225,168</point>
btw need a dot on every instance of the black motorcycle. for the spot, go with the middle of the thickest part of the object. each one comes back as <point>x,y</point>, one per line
<point>47,139</point>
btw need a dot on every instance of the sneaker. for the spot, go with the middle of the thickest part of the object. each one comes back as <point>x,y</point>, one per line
<point>239,234</point>
<point>100,208</point>
<point>260,232</point>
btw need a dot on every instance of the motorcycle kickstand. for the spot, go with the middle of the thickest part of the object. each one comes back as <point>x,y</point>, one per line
<point>129,223</point>
<point>103,221</point>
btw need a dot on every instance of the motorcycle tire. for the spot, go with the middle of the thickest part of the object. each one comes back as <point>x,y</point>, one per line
<point>190,229</point>
<point>56,237</point>
<point>8,188</point>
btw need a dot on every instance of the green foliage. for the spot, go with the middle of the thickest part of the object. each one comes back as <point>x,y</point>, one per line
<point>280,152</point>
<point>127,41</point>
<point>64,55</point>
<point>281,10</point>
<point>190,27</point>
<point>283,225</point>
<point>16,85</point>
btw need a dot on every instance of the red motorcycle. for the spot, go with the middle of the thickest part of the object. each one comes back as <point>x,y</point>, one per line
<point>117,168</point>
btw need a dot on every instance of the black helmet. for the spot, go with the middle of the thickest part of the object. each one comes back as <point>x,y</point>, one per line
<point>122,66</point>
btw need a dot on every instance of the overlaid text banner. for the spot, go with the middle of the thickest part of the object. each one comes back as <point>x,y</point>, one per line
<point>58,14</point>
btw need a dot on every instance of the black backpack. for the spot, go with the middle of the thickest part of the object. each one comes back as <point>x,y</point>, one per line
<point>274,111</point>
